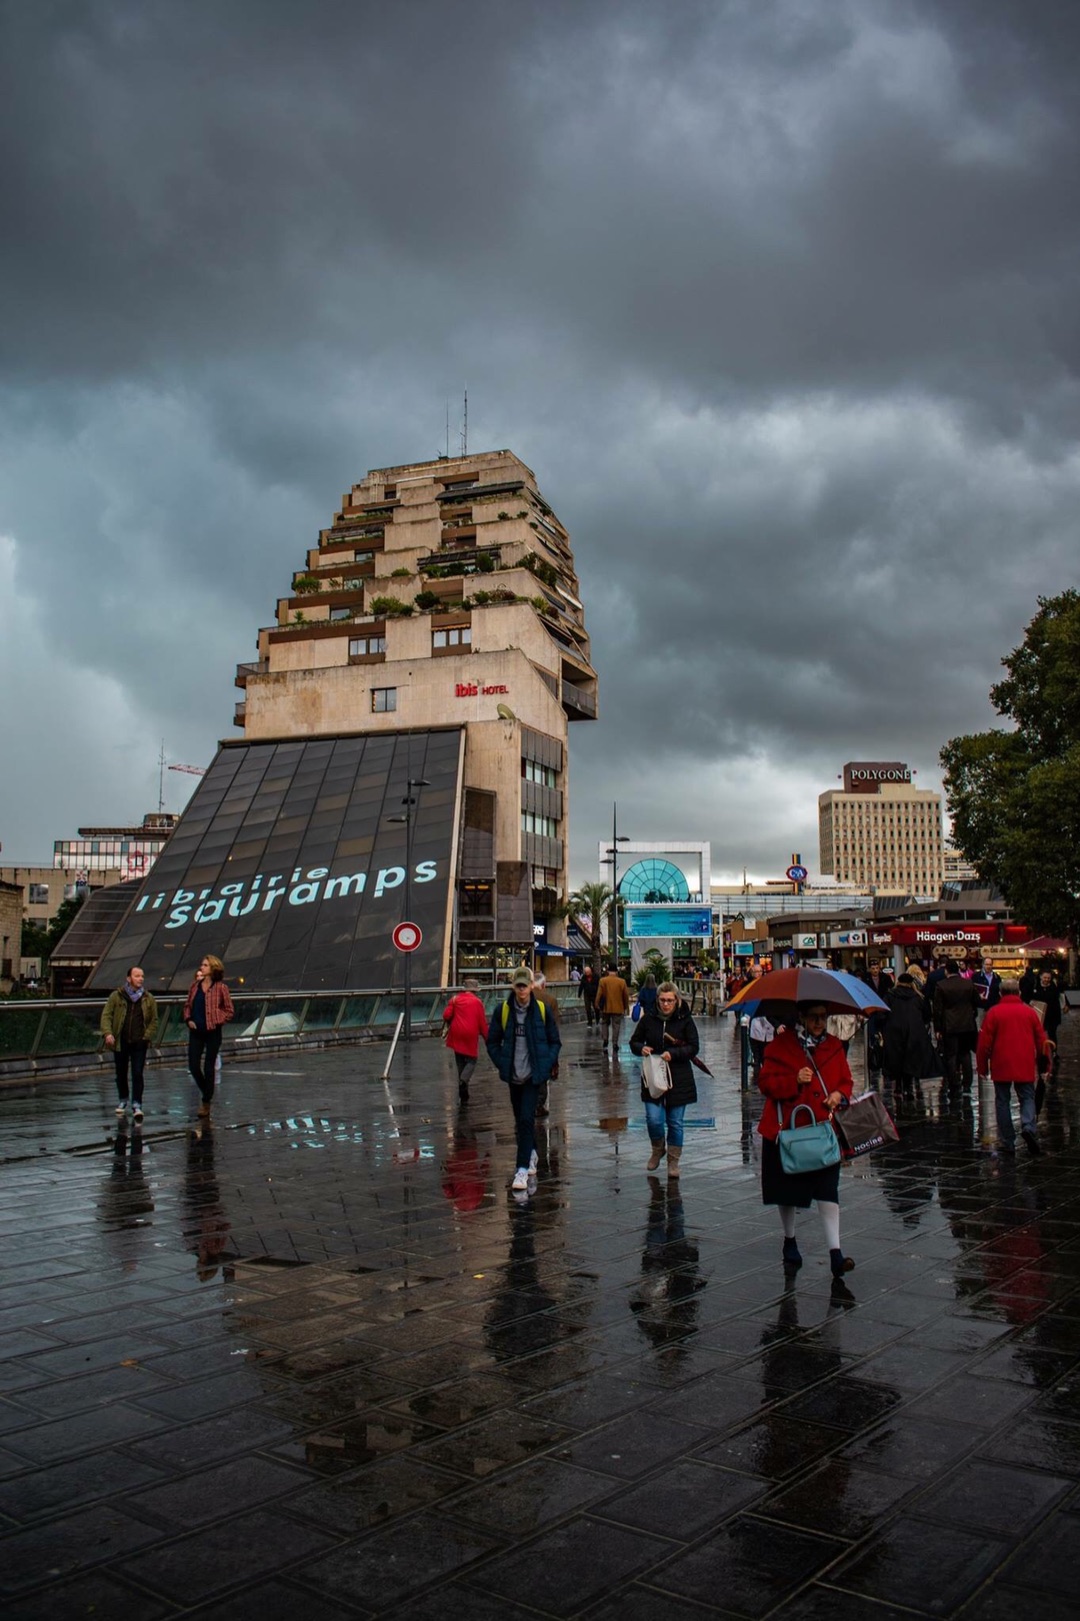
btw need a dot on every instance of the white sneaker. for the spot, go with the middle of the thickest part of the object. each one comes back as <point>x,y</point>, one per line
<point>521,1180</point>
<point>121,1111</point>
<point>534,1160</point>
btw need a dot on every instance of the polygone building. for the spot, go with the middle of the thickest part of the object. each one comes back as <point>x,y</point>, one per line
<point>404,742</point>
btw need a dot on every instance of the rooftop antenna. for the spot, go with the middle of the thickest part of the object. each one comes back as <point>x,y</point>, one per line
<point>465,427</point>
<point>448,427</point>
<point>161,779</point>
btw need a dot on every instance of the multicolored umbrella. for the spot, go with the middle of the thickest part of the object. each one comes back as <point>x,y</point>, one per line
<point>776,995</point>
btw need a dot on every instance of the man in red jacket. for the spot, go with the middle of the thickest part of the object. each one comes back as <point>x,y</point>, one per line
<point>1011,1042</point>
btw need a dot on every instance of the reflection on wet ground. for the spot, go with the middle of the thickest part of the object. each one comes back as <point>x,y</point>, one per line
<point>316,1359</point>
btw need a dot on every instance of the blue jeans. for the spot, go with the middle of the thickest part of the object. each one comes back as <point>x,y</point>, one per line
<point>524,1096</point>
<point>1025,1091</point>
<point>656,1115</point>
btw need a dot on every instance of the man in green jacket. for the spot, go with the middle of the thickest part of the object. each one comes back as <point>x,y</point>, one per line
<point>129,1022</point>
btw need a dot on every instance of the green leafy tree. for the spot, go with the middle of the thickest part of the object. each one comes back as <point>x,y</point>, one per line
<point>41,942</point>
<point>589,909</point>
<point>1014,795</point>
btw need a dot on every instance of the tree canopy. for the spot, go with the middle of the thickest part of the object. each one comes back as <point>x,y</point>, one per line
<point>589,908</point>
<point>1014,796</point>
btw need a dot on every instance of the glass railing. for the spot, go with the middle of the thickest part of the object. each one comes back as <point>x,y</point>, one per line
<point>45,1035</point>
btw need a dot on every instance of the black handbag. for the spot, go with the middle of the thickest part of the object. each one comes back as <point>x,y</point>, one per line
<point>864,1125</point>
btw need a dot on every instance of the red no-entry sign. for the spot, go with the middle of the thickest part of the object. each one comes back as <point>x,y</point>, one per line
<point>407,936</point>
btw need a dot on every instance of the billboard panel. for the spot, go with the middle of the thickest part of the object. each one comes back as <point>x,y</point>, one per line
<point>667,922</point>
<point>288,866</point>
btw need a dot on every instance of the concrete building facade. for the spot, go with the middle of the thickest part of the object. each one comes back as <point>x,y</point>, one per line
<point>881,832</point>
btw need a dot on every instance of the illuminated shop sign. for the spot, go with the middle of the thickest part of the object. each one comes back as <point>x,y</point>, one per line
<point>290,865</point>
<point>667,922</point>
<point>944,934</point>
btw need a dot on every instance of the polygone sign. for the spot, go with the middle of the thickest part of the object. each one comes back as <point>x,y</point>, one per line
<point>866,776</point>
<point>473,689</point>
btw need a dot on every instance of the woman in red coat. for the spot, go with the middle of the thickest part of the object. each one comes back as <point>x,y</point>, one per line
<point>803,1066</point>
<point>466,1024</point>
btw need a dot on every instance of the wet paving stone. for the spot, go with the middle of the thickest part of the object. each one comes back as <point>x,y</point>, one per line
<point>91,1596</point>
<point>35,1493</point>
<point>682,1501</point>
<point>931,1568</point>
<point>211,1494</point>
<point>773,1447</point>
<point>277,1600</point>
<point>1004,1502</point>
<point>747,1566</point>
<point>374,1495</point>
<point>566,1568</point>
<point>348,1443</point>
<point>223,1556</point>
<point>382,1569</point>
<point>82,1432</point>
<point>493,1443</point>
<point>913,1448</point>
<point>839,1499</point>
<point>529,1497</point>
<point>48,1553</point>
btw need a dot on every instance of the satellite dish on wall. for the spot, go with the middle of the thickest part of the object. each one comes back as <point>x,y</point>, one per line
<point>504,712</point>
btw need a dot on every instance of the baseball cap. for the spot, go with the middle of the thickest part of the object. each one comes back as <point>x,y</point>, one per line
<point>522,977</point>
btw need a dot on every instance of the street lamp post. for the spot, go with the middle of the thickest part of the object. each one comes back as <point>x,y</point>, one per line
<point>617,838</point>
<point>409,817</point>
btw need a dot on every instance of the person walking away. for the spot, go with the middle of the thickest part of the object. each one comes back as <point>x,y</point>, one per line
<point>988,985</point>
<point>1029,983</point>
<point>129,1022</point>
<point>882,984</point>
<point>907,1052</point>
<point>612,1004</point>
<point>803,1066</point>
<point>206,1012</point>
<point>466,1022</point>
<point>523,1042</point>
<point>956,1005</point>
<point>647,995</point>
<point>670,1031</point>
<point>587,991</point>
<point>543,990</point>
<point>1011,1042</point>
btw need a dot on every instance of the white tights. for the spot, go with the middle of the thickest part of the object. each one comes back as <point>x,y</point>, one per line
<point>829,1212</point>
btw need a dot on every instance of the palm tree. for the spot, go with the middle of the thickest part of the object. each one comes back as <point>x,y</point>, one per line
<point>588,908</point>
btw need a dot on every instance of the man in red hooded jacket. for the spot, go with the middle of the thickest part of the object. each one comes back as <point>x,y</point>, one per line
<point>1011,1042</point>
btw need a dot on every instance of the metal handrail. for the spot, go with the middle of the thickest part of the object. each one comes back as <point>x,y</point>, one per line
<point>256,1013</point>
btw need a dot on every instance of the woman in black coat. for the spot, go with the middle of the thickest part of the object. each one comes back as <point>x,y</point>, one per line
<point>908,1053</point>
<point>671,1032</point>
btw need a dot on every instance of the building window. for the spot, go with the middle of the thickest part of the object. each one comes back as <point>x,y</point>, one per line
<point>455,636</point>
<point>543,774</point>
<point>360,646</point>
<point>340,613</point>
<point>546,826</point>
<point>383,700</point>
<point>39,895</point>
<point>363,557</point>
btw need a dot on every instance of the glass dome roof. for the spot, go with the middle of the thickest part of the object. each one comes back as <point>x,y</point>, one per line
<point>653,879</point>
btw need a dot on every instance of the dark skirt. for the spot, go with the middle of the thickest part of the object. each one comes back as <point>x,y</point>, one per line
<point>778,1187</point>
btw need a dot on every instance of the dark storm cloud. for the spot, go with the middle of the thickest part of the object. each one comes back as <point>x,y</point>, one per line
<point>778,301</point>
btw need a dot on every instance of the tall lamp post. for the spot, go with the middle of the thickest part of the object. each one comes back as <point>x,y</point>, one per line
<point>408,818</point>
<point>617,838</point>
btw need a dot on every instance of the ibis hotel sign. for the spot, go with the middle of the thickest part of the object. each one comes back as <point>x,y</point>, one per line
<point>867,776</point>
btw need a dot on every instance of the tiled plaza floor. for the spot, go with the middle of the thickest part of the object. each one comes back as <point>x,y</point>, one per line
<point>317,1361</point>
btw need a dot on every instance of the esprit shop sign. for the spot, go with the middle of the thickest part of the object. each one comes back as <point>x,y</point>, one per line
<point>473,689</point>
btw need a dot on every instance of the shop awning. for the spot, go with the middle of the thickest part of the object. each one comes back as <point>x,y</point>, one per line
<point>1043,945</point>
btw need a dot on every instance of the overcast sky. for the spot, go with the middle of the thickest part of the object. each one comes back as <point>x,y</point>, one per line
<point>779,301</point>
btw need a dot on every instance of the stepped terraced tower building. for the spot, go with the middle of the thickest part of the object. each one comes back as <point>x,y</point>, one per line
<point>435,634</point>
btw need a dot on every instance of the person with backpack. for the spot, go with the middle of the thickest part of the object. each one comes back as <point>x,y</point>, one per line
<point>523,1043</point>
<point>466,1021</point>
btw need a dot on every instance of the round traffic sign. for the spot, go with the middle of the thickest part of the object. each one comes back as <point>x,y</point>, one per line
<point>407,936</point>
<point>798,875</point>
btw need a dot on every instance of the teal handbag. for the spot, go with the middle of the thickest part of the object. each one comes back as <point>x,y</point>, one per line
<point>808,1148</point>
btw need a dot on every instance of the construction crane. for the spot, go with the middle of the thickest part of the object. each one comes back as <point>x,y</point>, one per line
<point>192,770</point>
